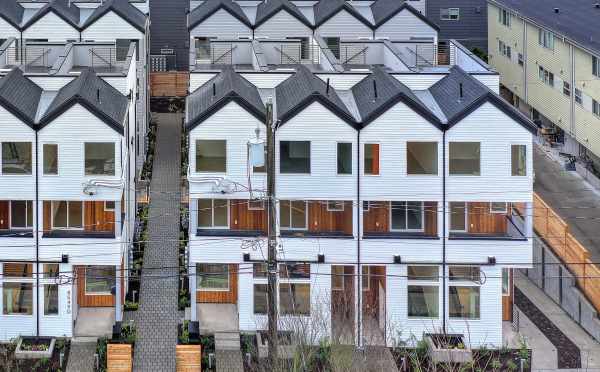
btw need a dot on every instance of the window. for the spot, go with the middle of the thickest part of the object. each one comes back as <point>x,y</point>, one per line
<point>213,213</point>
<point>546,39</point>
<point>211,156</point>
<point>50,159</point>
<point>518,160</point>
<point>335,206</point>
<point>16,157</point>
<point>256,205</point>
<point>407,216</point>
<point>337,278</point>
<point>51,271</point>
<point>423,291</point>
<point>595,107</point>
<point>17,270</point>
<point>344,158</point>
<point>371,158</point>
<point>465,274</point>
<point>109,206</point>
<point>21,214</point>
<point>212,277</point>
<point>504,17</point>
<point>99,279</point>
<point>465,158</point>
<point>458,216</point>
<point>50,299</point>
<point>463,290</point>
<point>596,66</point>
<point>366,278</point>
<point>566,89</point>
<point>449,14</point>
<point>578,96</point>
<point>293,214</point>
<point>294,156</point>
<point>499,207</point>
<point>294,271</point>
<point>122,49</point>
<point>505,282</point>
<point>333,43</point>
<point>67,215</point>
<point>546,76</point>
<point>504,49</point>
<point>421,158</point>
<point>304,46</point>
<point>99,158</point>
<point>259,270</point>
<point>260,299</point>
<point>294,298</point>
<point>202,45</point>
<point>520,59</point>
<point>17,298</point>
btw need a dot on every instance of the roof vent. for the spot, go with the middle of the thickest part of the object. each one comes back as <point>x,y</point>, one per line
<point>214,89</point>
<point>327,88</point>
<point>460,90</point>
<point>556,10</point>
<point>98,95</point>
<point>597,5</point>
<point>375,90</point>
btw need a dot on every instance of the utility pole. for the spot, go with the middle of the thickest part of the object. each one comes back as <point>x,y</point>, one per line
<point>272,239</point>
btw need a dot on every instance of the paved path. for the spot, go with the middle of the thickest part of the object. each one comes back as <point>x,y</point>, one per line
<point>227,352</point>
<point>81,357</point>
<point>157,317</point>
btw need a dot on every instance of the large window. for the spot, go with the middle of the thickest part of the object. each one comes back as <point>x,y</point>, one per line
<point>294,156</point>
<point>260,299</point>
<point>546,39</point>
<point>465,158</point>
<point>421,158</point>
<point>518,160</point>
<point>21,214</point>
<point>211,156</point>
<point>293,214</point>
<point>16,157</point>
<point>407,216</point>
<point>449,14</point>
<point>213,213</point>
<point>17,298</point>
<point>595,107</point>
<point>458,216</point>
<point>212,277</point>
<point>50,159</point>
<point>99,158</point>
<point>99,280</point>
<point>67,215</point>
<point>504,17</point>
<point>505,282</point>
<point>423,291</point>
<point>463,291</point>
<point>596,66</point>
<point>50,299</point>
<point>546,76</point>
<point>344,158</point>
<point>504,49</point>
<point>203,50</point>
<point>333,43</point>
<point>294,298</point>
<point>371,163</point>
<point>578,96</point>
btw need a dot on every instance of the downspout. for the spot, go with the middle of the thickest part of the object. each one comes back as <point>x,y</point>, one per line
<point>37,240</point>
<point>358,238</point>
<point>444,231</point>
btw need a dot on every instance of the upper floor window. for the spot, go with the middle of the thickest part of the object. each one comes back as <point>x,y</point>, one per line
<point>213,213</point>
<point>595,107</point>
<point>520,59</point>
<point>293,214</point>
<point>294,156</point>
<point>371,161</point>
<point>504,17</point>
<point>344,158</point>
<point>518,160</point>
<point>465,158</point>
<point>211,156</point>
<point>450,14</point>
<point>407,216</point>
<point>421,158</point>
<point>546,76</point>
<point>21,214</point>
<point>578,96</point>
<point>67,215</point>
<point>99,158</point>
<point>546,39</point>
<point>504,49</point>
<point>333,43</point>
<point>566,89</point>
<point>50,153</point>
<point>16,157</point>
<point>596,66</point>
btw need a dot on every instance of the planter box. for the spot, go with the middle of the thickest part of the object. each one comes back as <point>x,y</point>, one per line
<point>444,352</point>
<point>284,351</point>
<point>31,354</point>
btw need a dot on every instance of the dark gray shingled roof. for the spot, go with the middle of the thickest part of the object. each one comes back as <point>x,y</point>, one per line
<point>62,8</point>
<point>325,9</point>
<point>209,7</point>
<point>123,9</point>
<point>93,93</point>
<point>12,12</point>
<point>577,20</point>
<point>20,96</point>
<point>303,88</point>
<point>384,10</point>
<point>225,87</point>
<point>447,94</point>
<point>268,8</point>
<point>379,91</point>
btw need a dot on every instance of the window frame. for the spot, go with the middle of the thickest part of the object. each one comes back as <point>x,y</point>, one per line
<point>68,227</point>
<point>498,211</point>
<point>85,279</point>
<point>437,165</point>
<point>566,88</point>
<point>424,282</point>
<point>595,66</point>
<point>212,289</point>
<point>44,286</point>
<point>212,215</point>
<point>27,282</point>
<point>595,108</point>
<point>254,208</point>
<point>520,59</point>
<point>109,209</point>
<point>116,159</point>
<point>44,159</point>
<point>281,171</point>
<point>390,206</point>
<point>291,228</point>
<point>578,95</point>
<point>338,276</point>
<point>27,211</point>
<point>2,159</point>
<point>546,38</point>
<point>336,207</point>
<point>479,172</point>
<point>287,280</point>
<point>464,283</point>
<point>196,142</point>
<point>504,17</point>
<point>506,277</point>
<point>466,219</point>
<point>365,273</point>
<point>512,160</point>
<point>364,159</point>
<point>337,158</point>
<point>451,14</point>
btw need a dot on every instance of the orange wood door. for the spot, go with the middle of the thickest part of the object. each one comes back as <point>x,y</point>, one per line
<point>320,219</point>
<point>241,217</point>
<point>482,221</point>
<point>377,217</point>
<point>4,225</point>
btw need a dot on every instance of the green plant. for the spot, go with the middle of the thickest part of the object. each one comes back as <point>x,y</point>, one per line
<point>184,299</point>
<point>184,338</point>
<point>496,365</point>
<point>101,351</point>
<point>131,306</point>
<point>511,365</point>
<point>523,349</point>
<point>129,334</point>
<point>422,348</point>
<point>480,53</point>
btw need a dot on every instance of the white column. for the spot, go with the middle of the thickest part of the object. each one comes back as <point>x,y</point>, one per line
<point>192,284</point>
<point>529,220</point>
<point>118,299</point>
<point>117,223</point>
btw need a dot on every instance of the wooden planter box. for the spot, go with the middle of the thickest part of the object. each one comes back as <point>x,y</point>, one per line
<point>446,354</point>
<point>119,358</point>
<point>188,358</point>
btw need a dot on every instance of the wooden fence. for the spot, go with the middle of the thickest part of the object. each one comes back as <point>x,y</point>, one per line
<point>188,358</point>
<point>118,358</point>
<point>555,232</point>
<point>169,84</point>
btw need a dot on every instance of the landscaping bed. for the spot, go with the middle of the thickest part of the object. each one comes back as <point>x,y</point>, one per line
<point>206,341</point>
<point>8,361</point>
<point>128,336</point>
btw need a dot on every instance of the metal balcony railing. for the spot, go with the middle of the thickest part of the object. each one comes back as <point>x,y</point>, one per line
<point>108,58</point>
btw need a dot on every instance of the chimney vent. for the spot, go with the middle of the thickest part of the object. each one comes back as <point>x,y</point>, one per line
<point>98,95</point>
<point>556,10</point>
<point>375,89</point>
<point>214,89</point>
<point>460,90</point>
<point>597,5</point>
<point>327,88</point>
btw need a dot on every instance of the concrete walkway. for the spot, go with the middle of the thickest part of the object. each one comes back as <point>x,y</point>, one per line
<point>157,317</point>
<point>544,353</point>
<point>81,356</point>
<point>228,352</point>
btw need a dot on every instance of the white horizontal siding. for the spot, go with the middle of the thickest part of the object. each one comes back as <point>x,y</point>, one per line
<point>17,248</point>
<point>419,81</point>
<point>52,83</point>
<point>307,249</point>
<point>51,27</point>
<point>221,25</point>
<point>245,301</point>
<point>282,25</point>
<point>111,27</point>
<point>403,26</point>
<point>410,250</point>
<point>82,251</point>
<point>7,30</point>
<point>122,84</point>
<point>345,26</point>
<point>216,250</point>
<point>19,187</point>
<point>492,81</point>
<point>506,252</point>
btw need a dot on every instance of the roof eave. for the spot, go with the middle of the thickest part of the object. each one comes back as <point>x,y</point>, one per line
<point>216,106</point>
<point>48,118</point>
<point>291,113</point>
<point>221,6</point>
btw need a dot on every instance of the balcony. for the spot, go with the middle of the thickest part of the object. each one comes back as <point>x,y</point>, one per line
<point>486,221</point>
<point>400,220</point>
<point>79,219</point>
<point>16,219</point>
<point>234,217</point>
<point>316,218</point>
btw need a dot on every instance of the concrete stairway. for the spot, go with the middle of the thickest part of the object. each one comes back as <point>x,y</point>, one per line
<point>227,352</point>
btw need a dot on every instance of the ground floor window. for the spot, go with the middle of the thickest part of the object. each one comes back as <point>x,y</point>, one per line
<point>423,291</point>
<point>17,298</point>
<point>99,280</point>
<point>50,299</point>
<point>260,299</point>
<point>464,302</point>
<point>294,298</point>
<point>213,277</point>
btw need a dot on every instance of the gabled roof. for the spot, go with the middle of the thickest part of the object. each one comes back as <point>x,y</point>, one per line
<point>447,93</point>
<point>384,10</point>
<point>93,93</point>
<point>326,9</point>
<point>225,87</point>
<point>210,7</point>
<point>123,9</point>
<point>303,88</point>
<point>379,91</point>
<point>62,8</point>
<point>12,12</point>
<point>20,96</point>
<point>268,8</point>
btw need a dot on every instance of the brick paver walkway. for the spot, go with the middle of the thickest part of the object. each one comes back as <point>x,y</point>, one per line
<point>157,317</point>
<point>81,357</point>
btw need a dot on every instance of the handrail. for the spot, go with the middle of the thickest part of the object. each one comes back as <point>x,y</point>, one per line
<point>230,51</point>
<point>93,53</point>
<point>46,51</point>
<point>362,51</point>
<point>287,55</point>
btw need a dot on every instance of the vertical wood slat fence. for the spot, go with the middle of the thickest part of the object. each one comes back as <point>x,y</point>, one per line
<point>169,84</point>
<point>555,232</point>
<point>188,358</point>
<point>119,358</point>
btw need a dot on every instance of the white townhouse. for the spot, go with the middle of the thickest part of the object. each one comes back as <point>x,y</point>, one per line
<point>65,211</point>
<point>114,23</point>
<point>403,200</point>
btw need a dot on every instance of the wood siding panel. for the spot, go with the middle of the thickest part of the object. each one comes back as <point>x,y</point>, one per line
<point>169,84</point>
<point>4,215</point>
<point>119,358</point>
<point>188,358</point>
<point>377,218</point>
<point>431,218</point>
<point>222,297</point>
<point>47,215</point>
<point>242,218</point>
<point>481,221</point>
<point>322,220</point>
<point>96,218</point>
<point>84,300</point>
